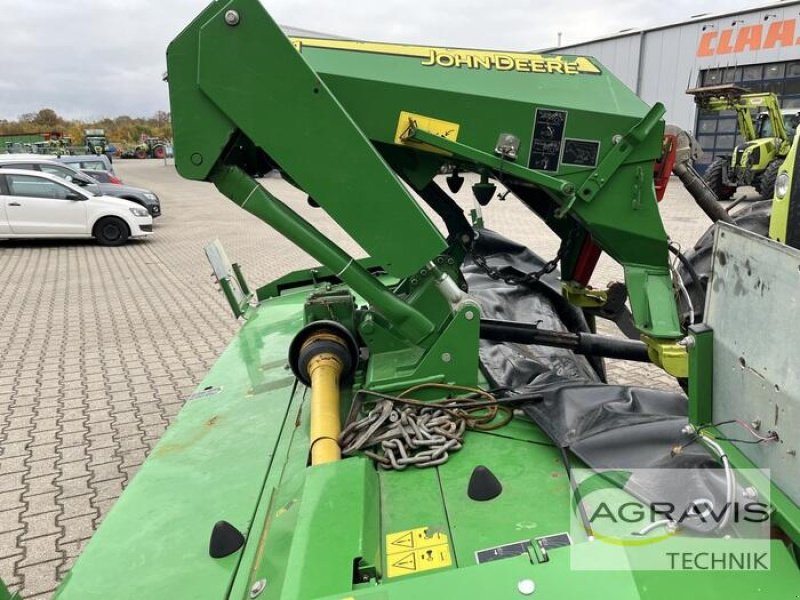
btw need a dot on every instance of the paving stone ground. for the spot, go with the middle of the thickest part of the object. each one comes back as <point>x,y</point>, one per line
<point>99,347</point>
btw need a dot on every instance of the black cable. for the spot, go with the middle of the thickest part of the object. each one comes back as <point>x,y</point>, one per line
<point>725,439</point>
<point>688,266</point>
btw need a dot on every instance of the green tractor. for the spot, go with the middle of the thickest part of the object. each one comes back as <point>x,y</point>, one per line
<point>151,148</point>
<point>95,141</point>
<point>767,131</point>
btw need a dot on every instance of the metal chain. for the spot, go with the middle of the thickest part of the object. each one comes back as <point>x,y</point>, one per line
<point>511,276</point>
<point>396,437</point>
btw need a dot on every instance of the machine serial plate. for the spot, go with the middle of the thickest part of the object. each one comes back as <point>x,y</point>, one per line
<point>580,152</point>
<point>548,136</point>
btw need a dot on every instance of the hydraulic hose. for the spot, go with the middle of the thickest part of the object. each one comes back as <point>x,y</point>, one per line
<point>580,343</point>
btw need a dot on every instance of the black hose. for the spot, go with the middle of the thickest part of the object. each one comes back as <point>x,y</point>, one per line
<point>690,269</point>
<point>703,195</point>
<point>581,343</point>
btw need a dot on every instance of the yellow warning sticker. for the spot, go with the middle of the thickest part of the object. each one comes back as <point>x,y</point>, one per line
<point>415,551</point>
<point>407,121</point>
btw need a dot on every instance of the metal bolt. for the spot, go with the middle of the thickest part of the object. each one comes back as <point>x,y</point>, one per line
<point>687,342</point>
<point>688,429</point>
<point>446,357</point>
<point>750,492</point>
<point>756,424</point>
<point>232,19</point>
<point>526,587</point>
<point>616,139</point>
<point>259,585</point>
<point>469,315</point>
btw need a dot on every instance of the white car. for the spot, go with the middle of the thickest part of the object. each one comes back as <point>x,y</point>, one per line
<point>34,204</point>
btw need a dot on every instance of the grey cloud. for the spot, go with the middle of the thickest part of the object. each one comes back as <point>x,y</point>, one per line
<point>96,58</point>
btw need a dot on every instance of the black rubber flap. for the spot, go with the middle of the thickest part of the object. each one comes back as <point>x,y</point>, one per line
<point>483,485</point>
<point>225,540</point>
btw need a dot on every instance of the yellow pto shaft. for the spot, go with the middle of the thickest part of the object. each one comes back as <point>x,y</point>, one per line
<point>324,371</point>
<point>322,356</point>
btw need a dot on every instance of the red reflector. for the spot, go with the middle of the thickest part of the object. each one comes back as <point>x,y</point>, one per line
<point>662,168</point>
<point>115,179</point>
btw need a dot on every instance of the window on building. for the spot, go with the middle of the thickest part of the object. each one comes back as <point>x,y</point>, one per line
<point>706,126</point>
<point>793,69</point>
<point>752,73</point>
<point>712,77</point>
<point>775,71</point>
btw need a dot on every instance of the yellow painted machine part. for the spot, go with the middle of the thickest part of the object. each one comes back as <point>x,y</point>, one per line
<point>324,371</point>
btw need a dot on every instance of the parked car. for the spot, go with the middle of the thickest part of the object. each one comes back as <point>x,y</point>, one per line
<point>146,198</point>
<point>102,176</point>
<point>99,162</point>
<point>34,204</point>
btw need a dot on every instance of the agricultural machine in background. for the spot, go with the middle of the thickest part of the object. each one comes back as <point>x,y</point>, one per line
<point>95,141</point>
<point>410,424</point>
<point>150,147</point>
<point>767,131</point>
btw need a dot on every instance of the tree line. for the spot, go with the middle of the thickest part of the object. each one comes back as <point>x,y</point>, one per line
<point>121,131</point>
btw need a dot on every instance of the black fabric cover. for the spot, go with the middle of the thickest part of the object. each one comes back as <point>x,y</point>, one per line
<point>518,365</point>
<point>606,426</point>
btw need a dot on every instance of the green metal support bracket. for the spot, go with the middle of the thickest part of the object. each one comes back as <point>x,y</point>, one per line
<point>247,193</point>
<point>701,373</point>
<point>286,107</point>
<point>619,152</point>
<point>230,279</point>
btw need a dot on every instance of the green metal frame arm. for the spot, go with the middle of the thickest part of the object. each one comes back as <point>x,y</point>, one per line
<point>620,152</point>
<point>243,74</point>
<point>247,193</point>
<point>745,122</point>
<point>650,286</point>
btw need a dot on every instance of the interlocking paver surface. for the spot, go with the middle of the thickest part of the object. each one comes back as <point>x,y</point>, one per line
<point>99,347</point>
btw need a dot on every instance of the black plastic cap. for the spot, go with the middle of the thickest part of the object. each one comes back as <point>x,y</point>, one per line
<point>484,192</point>
<point>483,485</point>
<point>225,540</point>
<point>454,182</point>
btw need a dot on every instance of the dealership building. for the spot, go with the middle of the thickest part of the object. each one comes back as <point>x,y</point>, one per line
<point>757,49</point>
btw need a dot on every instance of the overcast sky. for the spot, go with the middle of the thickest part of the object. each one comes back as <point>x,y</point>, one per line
<point>94,58</point>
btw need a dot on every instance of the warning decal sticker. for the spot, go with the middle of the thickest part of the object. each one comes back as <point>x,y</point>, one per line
<point>415,551</point>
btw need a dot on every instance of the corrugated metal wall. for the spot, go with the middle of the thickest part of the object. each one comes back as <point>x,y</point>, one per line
<point>659,64</point>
